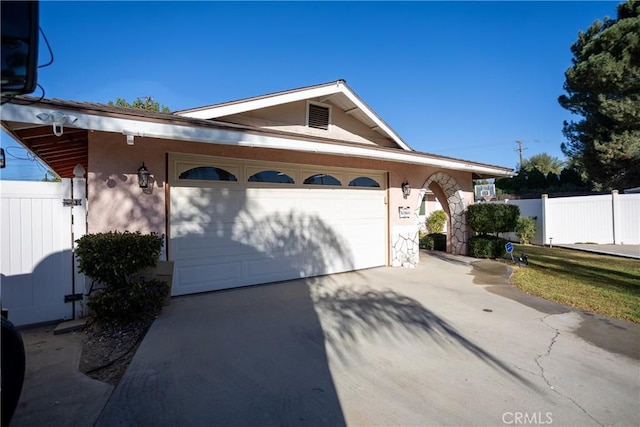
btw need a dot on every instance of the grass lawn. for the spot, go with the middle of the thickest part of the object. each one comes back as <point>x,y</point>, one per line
<point>601,284</point>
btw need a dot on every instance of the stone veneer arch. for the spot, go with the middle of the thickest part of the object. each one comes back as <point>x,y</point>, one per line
<point>455,201</point>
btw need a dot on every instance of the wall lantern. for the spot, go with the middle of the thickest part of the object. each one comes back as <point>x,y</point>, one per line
<point>143,176</point>
<point>406,189</point>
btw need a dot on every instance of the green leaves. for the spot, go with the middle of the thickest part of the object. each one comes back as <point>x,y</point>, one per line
<point>148,103</point>
<point>490,218</point>
<point>486,246</point>
<point>603,86</point>
<point>544,162</point>
<point>436,221</point>
<point>526,229</point>
<point>112,258</point>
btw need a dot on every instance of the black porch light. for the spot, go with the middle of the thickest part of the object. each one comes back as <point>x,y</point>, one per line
<point>406,189</point>
<point>3,162</point>
<point>143,176</point>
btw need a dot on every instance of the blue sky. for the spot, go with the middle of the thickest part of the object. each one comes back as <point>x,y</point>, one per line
<point>459,79</point>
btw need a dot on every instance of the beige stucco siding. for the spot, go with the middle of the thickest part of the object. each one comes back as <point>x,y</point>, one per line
<point>115,201</point>
<point>292,118</point>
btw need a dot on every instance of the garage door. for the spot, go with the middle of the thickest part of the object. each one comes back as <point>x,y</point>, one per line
<point>237,223</point>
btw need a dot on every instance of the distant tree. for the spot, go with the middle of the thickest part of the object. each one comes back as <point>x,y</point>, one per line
<point>504,185</point>
<point>544,162</point>
<point>148,103</point>
<point>553,180</point>
<point>603,87</point>
<point>570,178</point>
<point>50,176</point>
<point>536,180</point>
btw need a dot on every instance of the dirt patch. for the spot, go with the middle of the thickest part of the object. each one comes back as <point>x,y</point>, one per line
<point>108,349</point>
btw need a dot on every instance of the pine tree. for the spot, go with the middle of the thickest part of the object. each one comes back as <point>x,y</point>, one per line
<point>603,87</point>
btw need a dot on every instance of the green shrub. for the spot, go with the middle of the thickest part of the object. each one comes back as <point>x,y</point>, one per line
<point>526,229</point>
<point>426,242</point>
<point>112,260</point>
<point>486,246</point>
<point>434,241</point>
<point>492,218</point>
<point>138,301</point>
<point>436,221</point>
<point>439,241</point>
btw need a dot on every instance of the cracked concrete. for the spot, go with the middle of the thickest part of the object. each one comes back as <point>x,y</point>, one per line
<point>540,356</point>
<point>430,345</point>
<point>438,344</point>
<point>542,372</point>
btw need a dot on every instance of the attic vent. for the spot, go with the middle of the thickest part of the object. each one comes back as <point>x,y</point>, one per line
<point>318,117</point>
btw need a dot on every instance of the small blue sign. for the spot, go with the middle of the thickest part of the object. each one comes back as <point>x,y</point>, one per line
<point>509,247</point>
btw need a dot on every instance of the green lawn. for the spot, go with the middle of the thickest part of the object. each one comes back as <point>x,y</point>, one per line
<point>601,284</point>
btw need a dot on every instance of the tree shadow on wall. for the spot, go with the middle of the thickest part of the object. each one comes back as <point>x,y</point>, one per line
<point>313,246</point>
<point>255,355</point>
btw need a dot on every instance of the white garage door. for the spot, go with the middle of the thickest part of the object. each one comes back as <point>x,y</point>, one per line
<point>238,223</point>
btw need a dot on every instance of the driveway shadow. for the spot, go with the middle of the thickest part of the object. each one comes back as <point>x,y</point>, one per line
<point>354,313</point>
<point>252,356</point>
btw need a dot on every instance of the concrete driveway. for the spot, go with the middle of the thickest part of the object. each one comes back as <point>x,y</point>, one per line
<point>446,343</point>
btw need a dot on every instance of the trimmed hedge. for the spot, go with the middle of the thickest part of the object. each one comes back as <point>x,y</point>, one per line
<point>434,241</point>
<point>138,301</point>
<point>486,246</point>
<point>491,218</point>
<point>112,260</point>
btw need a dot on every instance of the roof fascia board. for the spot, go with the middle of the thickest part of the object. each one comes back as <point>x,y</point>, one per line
<point>140,128</point>
<point>382,125</point>
<point>256,104</point>
<point>269,101</point>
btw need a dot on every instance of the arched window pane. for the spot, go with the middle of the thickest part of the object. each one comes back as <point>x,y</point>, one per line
<point>208,173</point>
<point>271,176</point>
<point>364,181</point>
<point>322,179</point>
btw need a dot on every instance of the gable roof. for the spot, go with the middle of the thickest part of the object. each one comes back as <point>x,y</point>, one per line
<point>20,120</point>
<point>337,93</point>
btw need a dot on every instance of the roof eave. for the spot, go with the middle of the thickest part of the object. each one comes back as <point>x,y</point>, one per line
<point>320,91</point>
<point>216,133</point>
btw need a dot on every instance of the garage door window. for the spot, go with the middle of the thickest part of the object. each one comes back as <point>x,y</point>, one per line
<point>271,176</point>
<point>322,179</point>
<point>364,181</point>
<point>208,173</point>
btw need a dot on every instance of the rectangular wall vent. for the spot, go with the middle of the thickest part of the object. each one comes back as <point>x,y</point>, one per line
<point>318,117</point>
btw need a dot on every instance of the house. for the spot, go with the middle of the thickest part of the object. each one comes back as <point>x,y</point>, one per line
<point>292,184</point>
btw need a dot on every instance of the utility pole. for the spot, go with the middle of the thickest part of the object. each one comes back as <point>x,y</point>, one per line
<point>520,149</point>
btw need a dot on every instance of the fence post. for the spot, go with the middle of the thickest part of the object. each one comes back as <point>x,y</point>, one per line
<point>543,220</point>
<point>79,227</point>
<point>615,217</point>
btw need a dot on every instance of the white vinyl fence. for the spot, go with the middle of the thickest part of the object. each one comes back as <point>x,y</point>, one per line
<point>604,219</point>
<point>39,221</point>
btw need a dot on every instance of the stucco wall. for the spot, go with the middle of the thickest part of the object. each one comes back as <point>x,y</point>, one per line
<point>292,118</point>
<point>115,201</point>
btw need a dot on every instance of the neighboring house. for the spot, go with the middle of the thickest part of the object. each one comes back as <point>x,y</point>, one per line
<point>292,184</point>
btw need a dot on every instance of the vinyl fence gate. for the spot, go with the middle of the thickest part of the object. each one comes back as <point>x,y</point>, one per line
<point>39,222</point>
